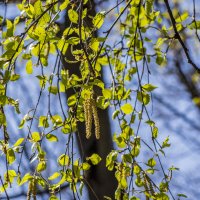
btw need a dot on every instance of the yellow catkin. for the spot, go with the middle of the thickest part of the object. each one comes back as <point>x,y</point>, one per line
<point>90,110</point>
<point>150,186</point>
<point>146,187</point>
<point>34,189</point>
<point>29,191</point>
<point>87,106</point>
<point>96,119</point>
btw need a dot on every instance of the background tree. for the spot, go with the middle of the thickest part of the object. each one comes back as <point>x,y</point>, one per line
<point>130,62</point>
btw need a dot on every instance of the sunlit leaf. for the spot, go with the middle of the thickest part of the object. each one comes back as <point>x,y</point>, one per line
<point>73,16</point>
<point>35,136</point>
<point>127,108</point>
<point>52,138</point>
<point>63,160</point>
<point>41,166</point>
<point>94,158</point>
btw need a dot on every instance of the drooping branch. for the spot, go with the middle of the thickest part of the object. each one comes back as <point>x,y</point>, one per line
<point>177,36</point>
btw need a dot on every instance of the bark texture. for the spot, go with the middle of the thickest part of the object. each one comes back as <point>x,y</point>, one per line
<point>100,181</point>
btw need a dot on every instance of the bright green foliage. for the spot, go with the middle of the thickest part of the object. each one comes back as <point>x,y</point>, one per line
<point>129,92</point>
<point>127,108</point>
<point>94,158</point>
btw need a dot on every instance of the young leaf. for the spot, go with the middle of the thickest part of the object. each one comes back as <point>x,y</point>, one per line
<point>151,162</point>
<point>10,155</point>
<point>26,178</point>
<point>19,141</point>
<point>98,20</point>
<point>127,108</point>
<point>53,89</point>
<point>63,160</point>
<point>149,87</point>
<point>35,136</point>
<point>54,176</point>
<point>41,166</point>
<point>94,158</point>
<point>64,5</point>
<point>29,67</point>
<point>73,16</point>
<point>52,138</point>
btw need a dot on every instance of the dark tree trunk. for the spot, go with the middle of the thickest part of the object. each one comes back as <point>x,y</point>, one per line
<point>100,181</point>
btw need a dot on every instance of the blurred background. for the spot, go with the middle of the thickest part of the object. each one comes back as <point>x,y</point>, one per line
<point>175,103</point>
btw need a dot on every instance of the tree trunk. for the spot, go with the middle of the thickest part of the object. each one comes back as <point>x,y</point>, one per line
<point>100,182</point>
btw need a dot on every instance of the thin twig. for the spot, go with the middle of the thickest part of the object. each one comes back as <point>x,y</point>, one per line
<point>177,36</point>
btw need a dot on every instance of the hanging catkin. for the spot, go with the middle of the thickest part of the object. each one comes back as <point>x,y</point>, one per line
<point>90,110</point>
<point>29,191</point>
<point>146,187</point>
<point>96,119</point>
<point>88,117</point>
<point>32,190</point>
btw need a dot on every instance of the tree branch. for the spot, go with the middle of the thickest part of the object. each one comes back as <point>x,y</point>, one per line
<point>177,36</point>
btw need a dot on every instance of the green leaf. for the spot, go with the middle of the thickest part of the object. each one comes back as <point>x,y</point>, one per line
<point>54,176</point>
<point>41,166</point>
<point>64,5</point>
<point>10,28</point>
<point>139,182</point>
<point>62,87</point>
<point>155,132</point>
<point>194,25</point>
<point>127,108</point>
<point>148,87</point>
<point>63,160</point>
<point>137,169</point>
<point>182,195</point>
<point>182,18</point>
<point>94,158</point>
<point>81,188</point>
<point>127,158</point>
<point>160,59</point>
<point>71,100</point>
<point>29,67</point>
<point>115,114</point>
<point>19,141</point>
<point>151,162</point>
<point>10,155</point>
<point>85,166</point>
<point>119,141</point>
<point>161,196</point>
<point>26,178</point>
<point>15,77</point>
<point>53,89</point>
<point>134,198</point>
<point>2,119</point>
<point>143,97</point>
<point>73,16</point>
<point>107,93</point>
<point>35,136</point>
<point>53,197</point>
<point>43,122</point>
<point>196,100</point>
<point>52,138</point>
<point>110,160</point>
<point>12,173</point>
<point>21,125</point>
<point>135,151</point>
<point>98,20</point>
<point>166,143</point>
<point>56,120</point>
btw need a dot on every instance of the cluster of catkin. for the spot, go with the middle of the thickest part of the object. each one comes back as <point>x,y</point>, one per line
<point>32,190</point>
<point>90,111</point>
